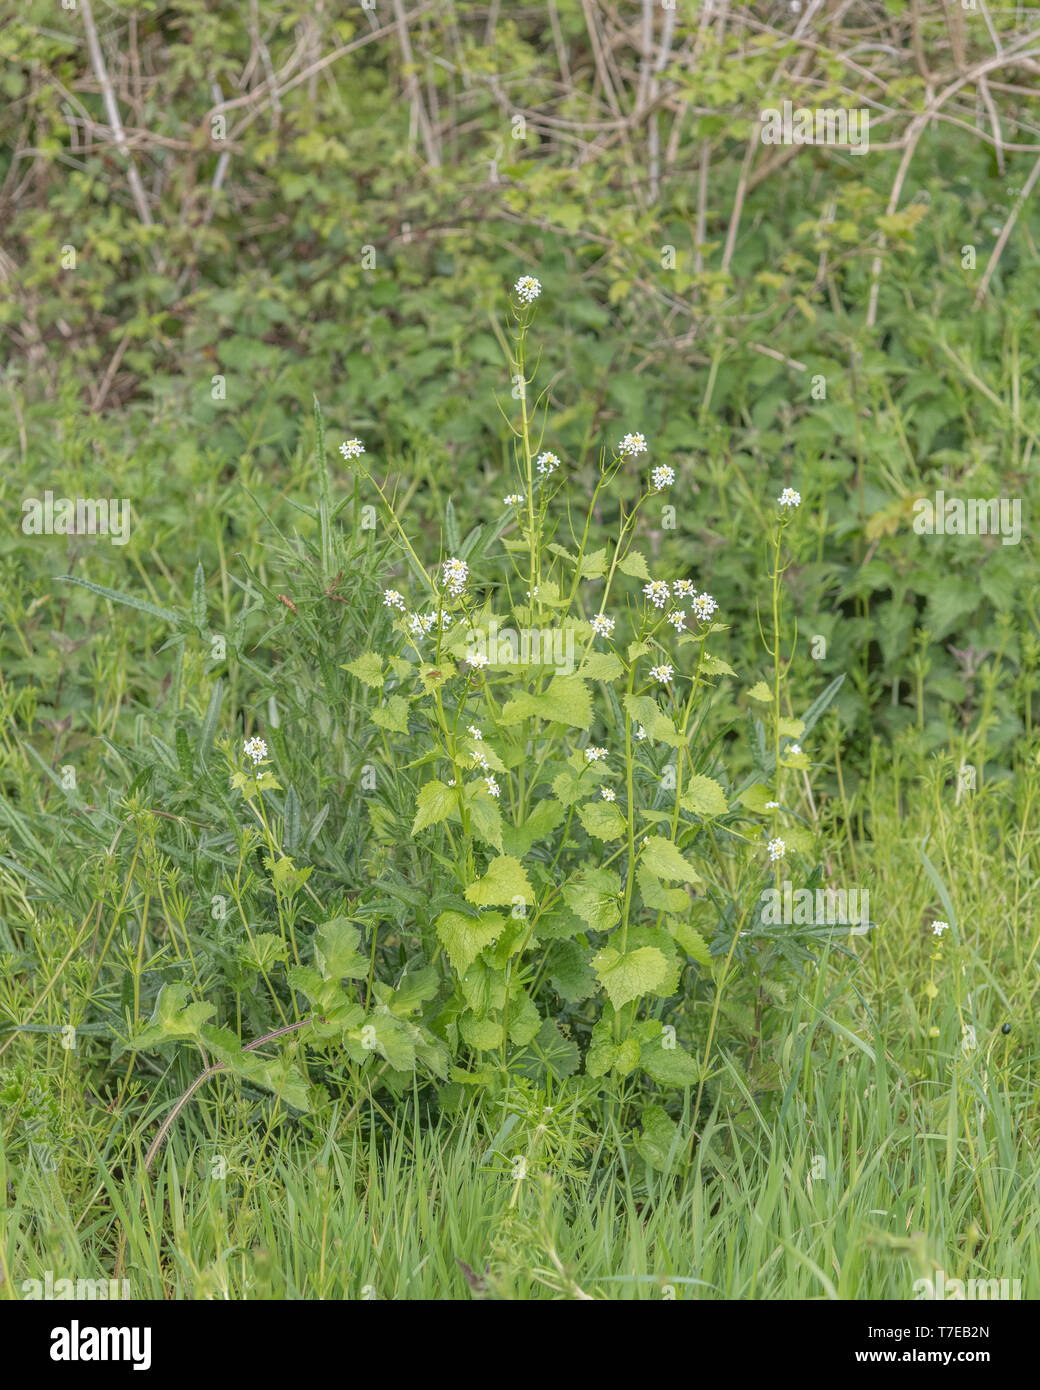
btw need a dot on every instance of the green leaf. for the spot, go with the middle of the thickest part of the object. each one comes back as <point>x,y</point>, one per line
<point>173,1019</point>
<point>545,816</point>
<point>662,857</point>
<point>668,1065</point>
<point>602,819</point>
<point>704,797</point>
<point>368,668</point>
<point>593,896</point>
<point>335,950</point>
<point>486,819</point>
<point>116,597</point>
<point>627,977</point>
<point>760,691</point>
<point>656,896</point>
<point>570,971</point>
<point>463,938</point>
<point>594,565</point>
<point>601,666</point>
<point>504,882</point>
<point>566,701</point>
<point>691,941</point>
<point>634,565</point>
<point>393,715</point>
<point>436,803</point>
<point>659,1144</point>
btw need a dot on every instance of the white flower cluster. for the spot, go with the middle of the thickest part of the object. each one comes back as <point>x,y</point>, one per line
<point>777,849</point>
<point>527,289</point>
<point>608,793</point>
<point>789,498</point>
<point>515,499</point>
<point>455,573</point>
<point>704,606</point>
<point>662,476</point>
<point>631,445</point>
<point>602,626</point>
<point>662,673</point>
<point>547,463</point>
<point>393,599</point>
<point>595,755</point>
<point>657,592</point>
<point>939,927</point>
<point>352,448</point>
<point>256,749</point>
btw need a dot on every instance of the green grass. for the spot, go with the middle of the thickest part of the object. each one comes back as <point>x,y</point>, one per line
<point>929,1151</point>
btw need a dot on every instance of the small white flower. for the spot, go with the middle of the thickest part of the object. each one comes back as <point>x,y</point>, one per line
<point>420,625</point>
<point>657,592</point>
<point>352,448</point>
<point>939,927</point>
<point>772,805</point>
<point>515,499</point>
<point>661,673</point>
<point>789,498</point>
<point>595,755</point>
<point>640,732</point>
<point>451,781</point>
<point>477,660</point>
<point>607,793</point>
<point>777,849</point>
<point>256,749</point>
<point>455,573</point>
<point>677,619</point>
<point>475,732</point>
<point>491,785</point>
<point>481,762</point>
<point>602,626</point>
<point>632,444</point>
<point>527,289</point>
<point>547,463</point>
<point>392,599</point>
<point>704,606</point>
<point>683,588</point>
<point>794,748</point>
<point>662,476</point>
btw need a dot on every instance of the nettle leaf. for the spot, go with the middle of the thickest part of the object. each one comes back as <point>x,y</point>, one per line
<point>627,977</point>
<point>760,691</point>
<point>634,565</point>
<point>593,896</point>
<point>463,938</point>
<point>393,715</point>
<point>173,1019</point>
<point>436,803</point>
<point>793,728</point>
<point>368,668</point>
<point>704,796</point>
<point>504,882</point>
<point>335,950</point>
<point>602,819</point>
<point>545,816</point>
<point>662,857</point>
